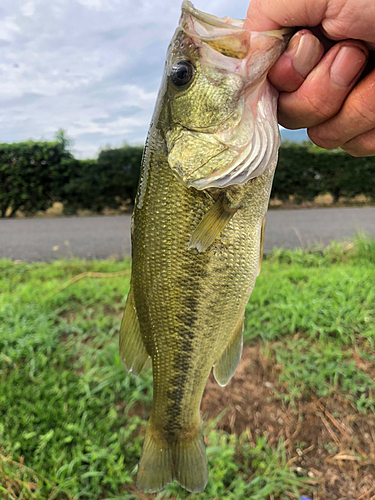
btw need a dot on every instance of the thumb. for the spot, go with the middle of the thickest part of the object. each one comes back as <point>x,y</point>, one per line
<point>264,15</point>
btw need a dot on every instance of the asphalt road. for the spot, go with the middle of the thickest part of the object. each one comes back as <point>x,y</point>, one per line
<point>106,236</point>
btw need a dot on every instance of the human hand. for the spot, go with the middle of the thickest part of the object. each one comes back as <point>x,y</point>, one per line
<point>318,83</point>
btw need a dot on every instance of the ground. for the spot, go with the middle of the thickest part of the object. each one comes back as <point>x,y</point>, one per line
<point>325,436</point>
<point>297,419</point>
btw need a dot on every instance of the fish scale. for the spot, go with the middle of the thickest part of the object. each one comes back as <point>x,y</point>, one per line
<point>196,252</point>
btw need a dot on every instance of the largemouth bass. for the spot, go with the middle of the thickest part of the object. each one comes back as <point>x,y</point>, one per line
<point>197,230</point>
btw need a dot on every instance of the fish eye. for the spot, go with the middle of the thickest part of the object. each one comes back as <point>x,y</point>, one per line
<point>182,73</point>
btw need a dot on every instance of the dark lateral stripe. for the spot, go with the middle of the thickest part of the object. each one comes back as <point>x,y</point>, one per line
<point>190,285</point>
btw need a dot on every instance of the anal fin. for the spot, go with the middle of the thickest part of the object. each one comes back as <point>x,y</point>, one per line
<point>133,353</point>
<point>211,225</point>
<point>225,368</point>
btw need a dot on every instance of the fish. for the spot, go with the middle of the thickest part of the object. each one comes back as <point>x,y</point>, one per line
<point>198,230</point>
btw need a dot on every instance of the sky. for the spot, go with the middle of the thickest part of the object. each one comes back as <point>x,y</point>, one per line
<point>90,67</point>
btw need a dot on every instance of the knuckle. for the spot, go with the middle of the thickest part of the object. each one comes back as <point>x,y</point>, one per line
<point>336,29</point>
<point>363,111</point>
<point>304,110</point>
<point>356,153</point>
<point>353,152</point>
<point>289,121</point>
<point>323,139</point>
<point>362,145</point>
<point>318,108</point>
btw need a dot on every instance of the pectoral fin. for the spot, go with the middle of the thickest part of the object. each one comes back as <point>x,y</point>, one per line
<point>132,350</point>
<point>261,250</point>
<point>227,364</point>
<point>211,225</point>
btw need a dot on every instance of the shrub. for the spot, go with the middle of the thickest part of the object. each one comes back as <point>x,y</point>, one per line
<point>109,181</point>
<point>30,175</point>
<point>305,171</point>
<point>35,174</point>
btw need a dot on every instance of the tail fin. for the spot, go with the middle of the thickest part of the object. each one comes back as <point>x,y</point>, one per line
<point>155,469</point>
<point>163,462</point>
<point>191,463</point>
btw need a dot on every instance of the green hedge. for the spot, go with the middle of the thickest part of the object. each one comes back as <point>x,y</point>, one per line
<point>109,181</point>
<point>305,171</point>
<point>31,174</point>
<point>35,174</point>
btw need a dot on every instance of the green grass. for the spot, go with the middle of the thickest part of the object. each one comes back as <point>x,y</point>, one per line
<point>65,427</point>
<point>313,311</point>
<point>240,471</point>
<point>63,390</point>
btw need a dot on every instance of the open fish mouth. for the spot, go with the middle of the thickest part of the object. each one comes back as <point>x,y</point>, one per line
<point>217,22</point>
<point>226,35</point>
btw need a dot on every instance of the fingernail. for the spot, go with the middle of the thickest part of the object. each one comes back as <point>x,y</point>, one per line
<point>347,64</point>
<point>307,54</point>
<point>293,43</point>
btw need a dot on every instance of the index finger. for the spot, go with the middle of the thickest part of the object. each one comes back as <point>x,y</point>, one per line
<point>264,15</point>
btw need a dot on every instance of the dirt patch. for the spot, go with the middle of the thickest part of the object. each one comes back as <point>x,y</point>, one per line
<point>321,201</point>
<point>326,437</point>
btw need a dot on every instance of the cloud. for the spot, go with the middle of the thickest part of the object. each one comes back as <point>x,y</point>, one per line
<point>9,29</point>
<point>92,67</point>
<point>98,5</point>
<point>28,9</point>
